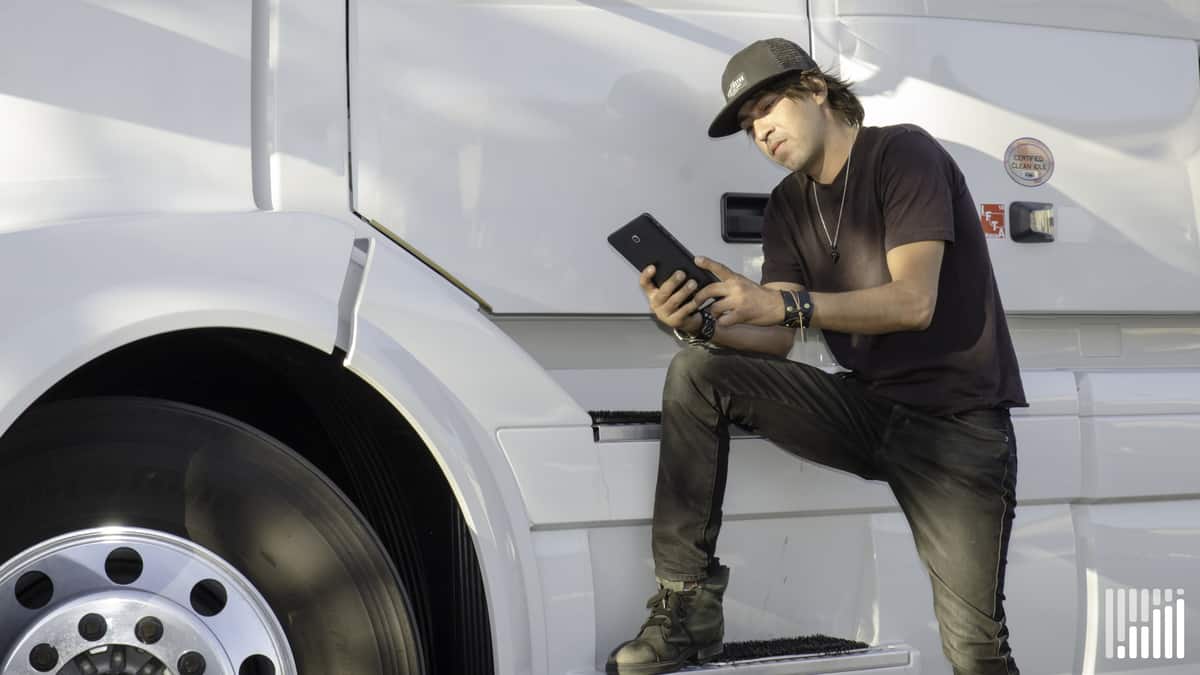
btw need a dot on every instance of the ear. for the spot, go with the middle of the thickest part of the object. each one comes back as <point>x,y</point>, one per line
<point>820,92</point>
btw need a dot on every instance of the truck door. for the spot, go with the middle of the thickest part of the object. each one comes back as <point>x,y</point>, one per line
<point>506,140</point>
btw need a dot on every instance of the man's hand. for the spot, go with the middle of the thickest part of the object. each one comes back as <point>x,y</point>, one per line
<point>742,300</point>
<point>669,302</point>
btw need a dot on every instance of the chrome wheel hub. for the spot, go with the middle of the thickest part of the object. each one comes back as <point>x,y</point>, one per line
<point>142,602</point>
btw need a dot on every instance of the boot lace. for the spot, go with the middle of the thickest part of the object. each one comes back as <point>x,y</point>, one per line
<point>665,609</point>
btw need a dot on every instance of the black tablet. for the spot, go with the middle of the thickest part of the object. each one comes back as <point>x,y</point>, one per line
<point>644,242</point>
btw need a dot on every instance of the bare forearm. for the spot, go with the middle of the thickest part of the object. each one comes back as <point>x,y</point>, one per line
<point>890,308</point>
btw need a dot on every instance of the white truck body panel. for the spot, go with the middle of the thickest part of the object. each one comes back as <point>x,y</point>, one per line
<point>1104,432</point>
<point>94,127</point>
<point>510,158</point>
<point>103,283</point>
<point>452,374</point>
<point>187,164</point>
<point>76,290</point>
<point>507,140</point>
<point>1163,18</point>
<point>1119,112</point>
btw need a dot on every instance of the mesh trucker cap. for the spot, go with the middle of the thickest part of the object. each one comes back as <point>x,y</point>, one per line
<point>749,70</point>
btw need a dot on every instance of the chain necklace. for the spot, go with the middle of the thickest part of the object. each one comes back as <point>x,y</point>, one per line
<point>838,228</point>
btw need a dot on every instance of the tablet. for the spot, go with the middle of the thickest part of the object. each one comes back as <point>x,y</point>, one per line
<point>644,242</point>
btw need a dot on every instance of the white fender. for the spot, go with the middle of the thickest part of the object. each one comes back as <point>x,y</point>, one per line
<point>77,290</point>
<point>74,291</point>
<point>459,380</point>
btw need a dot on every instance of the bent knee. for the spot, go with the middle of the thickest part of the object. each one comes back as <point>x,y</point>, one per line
<point>691,365</point>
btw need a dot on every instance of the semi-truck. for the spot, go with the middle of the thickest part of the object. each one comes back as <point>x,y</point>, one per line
<point>314,357</point>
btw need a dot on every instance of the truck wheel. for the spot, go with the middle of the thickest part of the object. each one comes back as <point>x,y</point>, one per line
<point>144,536</point>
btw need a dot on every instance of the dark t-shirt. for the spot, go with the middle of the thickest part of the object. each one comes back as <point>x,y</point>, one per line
<point>904,187</point>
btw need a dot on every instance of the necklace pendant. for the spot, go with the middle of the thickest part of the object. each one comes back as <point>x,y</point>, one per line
<point>835,254</point>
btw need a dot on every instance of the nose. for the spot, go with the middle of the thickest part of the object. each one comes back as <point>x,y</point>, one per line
<point>761,129</point>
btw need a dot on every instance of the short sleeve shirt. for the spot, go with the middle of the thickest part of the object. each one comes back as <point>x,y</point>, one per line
<point>903,187</point>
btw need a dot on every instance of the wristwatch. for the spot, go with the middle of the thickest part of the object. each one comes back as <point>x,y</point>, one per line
<point>797,310</point>
<point>708,328</point>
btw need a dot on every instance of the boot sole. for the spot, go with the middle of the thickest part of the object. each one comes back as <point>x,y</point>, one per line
<point>701,656</point>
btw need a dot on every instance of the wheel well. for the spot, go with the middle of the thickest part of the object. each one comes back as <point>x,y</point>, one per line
<point>311,402</point>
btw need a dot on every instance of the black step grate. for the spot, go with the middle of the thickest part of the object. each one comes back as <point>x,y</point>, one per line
<point>610,417</point>
<point>804,644</point>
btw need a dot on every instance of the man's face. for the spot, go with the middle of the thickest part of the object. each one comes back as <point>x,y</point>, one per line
<point>789,132</point>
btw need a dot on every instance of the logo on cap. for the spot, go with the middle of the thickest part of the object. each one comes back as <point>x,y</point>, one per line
<point>736,86</point>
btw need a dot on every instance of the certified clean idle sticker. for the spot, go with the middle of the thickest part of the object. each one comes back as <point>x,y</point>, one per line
<point>1029,162</point>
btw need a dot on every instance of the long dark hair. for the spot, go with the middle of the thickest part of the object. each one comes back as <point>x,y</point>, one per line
<point>841,98</point>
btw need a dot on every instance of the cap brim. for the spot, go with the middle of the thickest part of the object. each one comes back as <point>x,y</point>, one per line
<point>726,121</point>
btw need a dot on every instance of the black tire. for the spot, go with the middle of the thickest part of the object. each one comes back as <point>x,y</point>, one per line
<point>162,465</point>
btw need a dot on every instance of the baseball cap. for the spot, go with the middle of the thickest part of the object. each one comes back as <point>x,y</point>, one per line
<point>751,69</point>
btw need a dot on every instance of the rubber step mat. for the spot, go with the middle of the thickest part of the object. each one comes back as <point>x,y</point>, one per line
<point>803,644</point>
<point>640,425</point>
<point>886,659</point>
<point>889,659</point>
<point>626,416</point>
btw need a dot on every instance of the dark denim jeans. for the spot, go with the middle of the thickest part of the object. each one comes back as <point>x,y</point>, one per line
<point>954,478</point>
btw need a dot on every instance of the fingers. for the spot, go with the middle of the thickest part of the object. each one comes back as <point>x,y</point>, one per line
<point>714,290</point>
<point>721,306</point>
<point>668,288</point>
<point>647,279</point>
<point>678,318</point>
<point>679,299</point>
<point>669,302</point>
<point>715,267</point>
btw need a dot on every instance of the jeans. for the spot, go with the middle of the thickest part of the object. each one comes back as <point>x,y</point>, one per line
<point>953,476</point>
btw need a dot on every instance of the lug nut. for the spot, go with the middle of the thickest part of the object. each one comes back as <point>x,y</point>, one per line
<point>149,630</point>
<point>43,658</point>
<point>191,663</point>
<point>92,627</point>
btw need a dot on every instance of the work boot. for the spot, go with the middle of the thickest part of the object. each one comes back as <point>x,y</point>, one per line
<point>686,626</point>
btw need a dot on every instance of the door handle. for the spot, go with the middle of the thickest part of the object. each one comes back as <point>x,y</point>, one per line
<point>742,216</point>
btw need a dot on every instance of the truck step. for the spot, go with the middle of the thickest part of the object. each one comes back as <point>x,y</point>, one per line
<point>614,426</point>
<point>796,646</point>
<point>885,659</point>
<point>625,416</point>
<point>889,659</point>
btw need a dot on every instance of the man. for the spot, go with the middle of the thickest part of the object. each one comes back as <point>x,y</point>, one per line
<point>873,237</point>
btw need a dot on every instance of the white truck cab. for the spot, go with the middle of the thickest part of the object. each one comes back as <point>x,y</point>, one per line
<point>314,357</point>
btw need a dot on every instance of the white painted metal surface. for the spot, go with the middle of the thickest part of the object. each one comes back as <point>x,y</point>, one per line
<point>852,575</point>
<point>1122,202</point>
<point>114,107</point>
<point>303,114</point>
<point>73,291</point>
<point>511,157</point>
<point>1126,180</point>
<point>1063,439</point>
<point>1136,424</point>
<point>454,375</point>
<point>1135,546</point>
<point>569,480</point>
<point>1163,18</point>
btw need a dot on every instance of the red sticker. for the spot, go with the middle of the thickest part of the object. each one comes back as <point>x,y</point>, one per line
<point>992,219</point>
